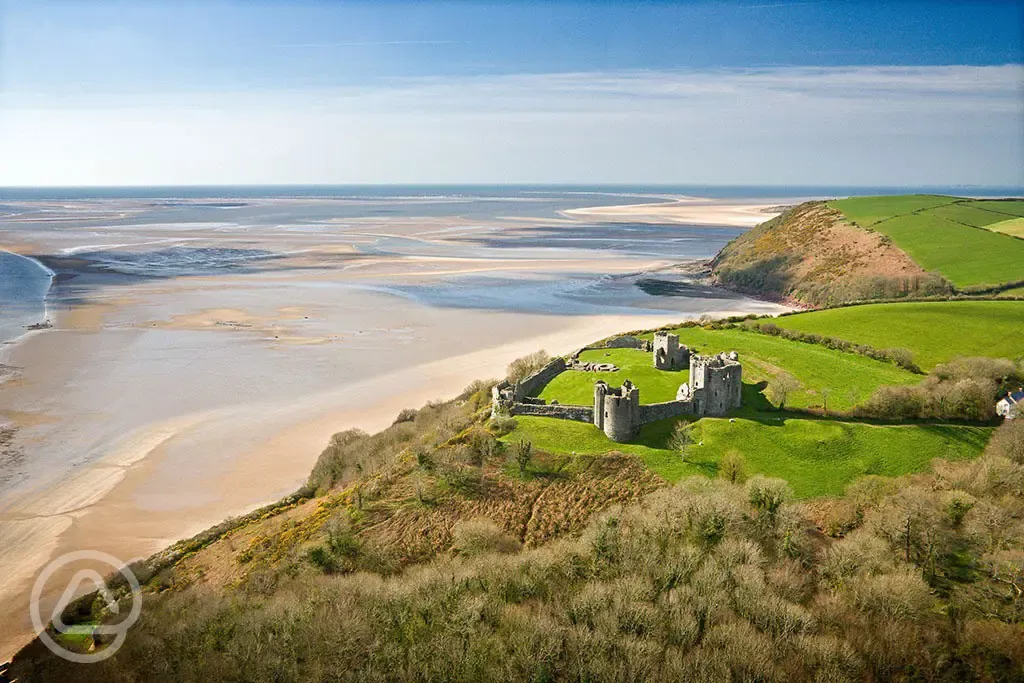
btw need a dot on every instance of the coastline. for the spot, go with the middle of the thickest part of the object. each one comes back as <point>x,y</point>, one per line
<point>152,483</point>
<point>118,491</point>
<point>45,317</point>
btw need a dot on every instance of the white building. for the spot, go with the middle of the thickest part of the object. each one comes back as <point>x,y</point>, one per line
<point>1011,405</point>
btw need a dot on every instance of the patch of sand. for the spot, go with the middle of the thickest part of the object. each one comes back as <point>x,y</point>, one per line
<point>688,211</point>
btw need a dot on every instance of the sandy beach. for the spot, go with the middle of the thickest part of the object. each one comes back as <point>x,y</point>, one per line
<point>687,210</point>
<point>158,406</point>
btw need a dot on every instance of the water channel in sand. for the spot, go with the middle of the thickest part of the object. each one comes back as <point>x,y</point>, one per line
<point>204,349</point>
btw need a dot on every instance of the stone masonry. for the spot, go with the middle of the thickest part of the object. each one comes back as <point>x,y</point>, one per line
<point>669,354</point>
<point>714,388</point>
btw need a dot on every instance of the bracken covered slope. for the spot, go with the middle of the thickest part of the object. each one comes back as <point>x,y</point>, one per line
<point>813,255</point>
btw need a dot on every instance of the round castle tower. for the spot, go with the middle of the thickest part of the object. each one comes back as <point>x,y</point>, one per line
<point>617,411</point>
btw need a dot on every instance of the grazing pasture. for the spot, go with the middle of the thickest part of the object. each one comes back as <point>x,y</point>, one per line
<point>842,379</point>
<point>948,235</point>
<point>866,211</point>
<point>1013,227</point>
<point>936,331</point>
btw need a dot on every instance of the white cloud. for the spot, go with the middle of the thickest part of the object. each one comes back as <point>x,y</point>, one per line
<point>868,125</point>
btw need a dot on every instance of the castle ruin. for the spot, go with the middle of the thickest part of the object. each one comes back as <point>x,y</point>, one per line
<point>669,354</point>
<point>617,411</point>
<point>715,386</point>
<point>713,389</point>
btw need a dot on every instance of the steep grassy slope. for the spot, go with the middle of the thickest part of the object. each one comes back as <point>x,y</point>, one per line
<point>935,331</point>
<point>707,581</point>
<point>812,254</point>
<point>946,234</point>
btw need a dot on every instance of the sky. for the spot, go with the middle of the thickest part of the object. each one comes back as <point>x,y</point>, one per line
<point>754,92</point>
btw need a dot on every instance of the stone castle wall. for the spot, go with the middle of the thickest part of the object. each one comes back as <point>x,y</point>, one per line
<point>575,413</point>
<point>652,412</point>
<point>626,341</point>
<point>714,388</point>
<point>539,379</point>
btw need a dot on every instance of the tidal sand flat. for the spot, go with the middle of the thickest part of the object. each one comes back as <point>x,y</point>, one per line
<point>205,348</point>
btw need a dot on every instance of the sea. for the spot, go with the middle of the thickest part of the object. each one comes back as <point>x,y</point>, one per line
<point>24,284</point>
<point>25,280</point>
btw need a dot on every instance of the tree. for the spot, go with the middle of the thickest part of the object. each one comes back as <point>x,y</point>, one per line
<point>781,386</point>
<point>682,437</point>
<point>733,467</point>
<point>825,393</point>
<point>524,453</point>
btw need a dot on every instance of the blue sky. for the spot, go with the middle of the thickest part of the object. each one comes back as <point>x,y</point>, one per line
<point>153,92</point>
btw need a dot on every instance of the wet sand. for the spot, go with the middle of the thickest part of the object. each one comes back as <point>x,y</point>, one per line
<point>157,407</point>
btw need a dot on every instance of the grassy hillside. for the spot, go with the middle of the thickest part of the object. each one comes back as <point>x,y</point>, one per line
<point>705,581</point>
<point>946,234</point>
<point>817,456</point>
<point>847,378</point>
<point>935,331</point>
<point>812,254</point>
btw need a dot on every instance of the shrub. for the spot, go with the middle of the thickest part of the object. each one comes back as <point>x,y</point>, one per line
<point>523,454</point>
<point>465,480</point>
<point>480,535</point>
<point>406,415</point>
<point>1008,441</point>
<point>500,426</point>
<point>768,494</point>
<point>521,368</point>
<point>733,467</point>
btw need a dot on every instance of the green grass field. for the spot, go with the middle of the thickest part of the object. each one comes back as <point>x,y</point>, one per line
<point>946,234</point>
<point>973,214</point>
<point>1013,226</point>
<point>935,331</point>
<point>577,388</point>
<point>866,211</point>
<point>818,457</point>
<point>1011,207</point>
<point>848,378</point>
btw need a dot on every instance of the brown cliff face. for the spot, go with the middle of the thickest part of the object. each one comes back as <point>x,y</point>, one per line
<point>813,255</point>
